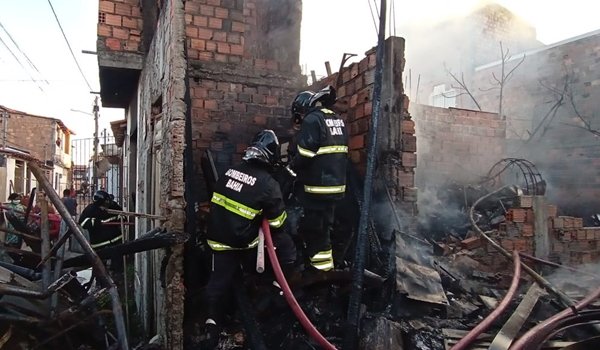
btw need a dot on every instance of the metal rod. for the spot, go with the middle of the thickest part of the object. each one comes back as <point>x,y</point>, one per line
<point>45,233</point>
<point>20,234</point>
<point>562,297</point>
<point>128,213</point>
<point>9,289</point>
<point>60,257</point>
<point>98,267</point>
<point>125,289</point>
<point>352,320</point>
<point>466,341</point>
<point>61,241</point>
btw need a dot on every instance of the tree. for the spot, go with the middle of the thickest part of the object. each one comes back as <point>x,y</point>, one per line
<point>500,83</point>
<point>462,87</point>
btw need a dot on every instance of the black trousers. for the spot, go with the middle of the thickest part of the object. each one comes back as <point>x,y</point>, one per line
<point>316,227</point>
<point>230,264</point>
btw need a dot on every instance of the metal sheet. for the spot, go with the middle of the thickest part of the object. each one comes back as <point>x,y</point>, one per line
<point>419,282</point>
<point>509,331</point>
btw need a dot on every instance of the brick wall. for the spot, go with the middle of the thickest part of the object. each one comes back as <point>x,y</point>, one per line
<point>456,144</point>
<point>564,75</point>
<point>397,141</point>
<point>32,133</point>
<point>243,73</point>
<point>120,25</point>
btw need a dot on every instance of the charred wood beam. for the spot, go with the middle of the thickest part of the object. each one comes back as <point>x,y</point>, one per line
<point>371,279</point>
<point>19,319</point>
<point>98,267</point>
<point>160,240</point>
<point>61,241</point>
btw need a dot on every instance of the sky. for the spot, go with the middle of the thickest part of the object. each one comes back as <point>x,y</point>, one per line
<point>48,82</point>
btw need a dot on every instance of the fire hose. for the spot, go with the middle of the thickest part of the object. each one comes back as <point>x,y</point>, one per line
<point>287,292</point>
<point>466,341</point>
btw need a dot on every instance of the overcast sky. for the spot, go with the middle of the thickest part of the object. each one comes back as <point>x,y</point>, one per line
<point>330,28</point>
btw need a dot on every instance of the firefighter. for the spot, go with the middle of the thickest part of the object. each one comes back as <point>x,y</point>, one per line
<point>243,196</point>
<point>320,165</point>
<point>96,220</point>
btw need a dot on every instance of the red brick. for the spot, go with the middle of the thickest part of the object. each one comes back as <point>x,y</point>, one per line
<point>368,108</point>
<point>113,20</point>
<point>215,23</point>
<point>107,6</point>
<point>525,201</point>
<point>356,142</point>
<point>552,210</point>
<point>192,7</point>
<point>132,23</point>
<point>260,120</point>
<point>408,127</point>
<point>471,243</point>
<point>527,230</point>
<point>121,33</point>
<point>221,12</point>
<point>205,56</point>
<point>207,10</point>
<point>220,36</point>
<point>104,30</point>
<point>113,44</point>
<point>238,27</point>
<point>204,33</point>
<point>211,46</point>
<point>272,100</point>
<point>529,216</point>
<point>136,12</point>
<point>201,21</point>
<point>210,105</point>
<point>188,18</point>
<point>590,234</point>
<point>516,215</point>
<point>272,64</point>
<point>409,143</point>
<point>233,38</point>
<point>223,86</point>
<point>214,2</point>
<point>191,31</point>
<point>409,160</point>
<point>131,45</point>
<point>198,44</point>
<point>507,244</point>
<point>123,9</point>
<point>237,50</point>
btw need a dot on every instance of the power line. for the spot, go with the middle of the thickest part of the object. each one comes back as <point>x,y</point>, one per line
<point>69,45</point>
<point>373,16</point>
<point>20,63</point>
<point>21,51</point>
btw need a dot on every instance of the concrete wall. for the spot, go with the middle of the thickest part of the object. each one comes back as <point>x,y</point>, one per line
<point>456,145</point>
<point>159,174</point>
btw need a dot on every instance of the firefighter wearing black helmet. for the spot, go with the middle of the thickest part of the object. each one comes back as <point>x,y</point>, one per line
<point>244,195</point>
<point>103,227</point>
<point>320,163</point>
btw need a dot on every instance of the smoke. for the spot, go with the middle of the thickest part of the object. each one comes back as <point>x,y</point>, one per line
<point>582,282</point>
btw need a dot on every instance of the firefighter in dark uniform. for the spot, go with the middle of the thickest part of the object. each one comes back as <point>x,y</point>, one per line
<point>320,164</point>
<point>243,196</point>
<point>95,219</point>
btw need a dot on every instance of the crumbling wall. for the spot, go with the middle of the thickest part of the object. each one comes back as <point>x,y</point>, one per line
<point>160,184</point>
<point>243,73</point>
<point>120,25</point>
<point>456,145</point>
<point>549,103</point>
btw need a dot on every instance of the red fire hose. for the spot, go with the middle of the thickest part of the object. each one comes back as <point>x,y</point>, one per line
<point>287,292</point>
<point>466,341</point>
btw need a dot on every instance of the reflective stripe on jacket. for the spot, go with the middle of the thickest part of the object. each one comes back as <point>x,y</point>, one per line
<point>244,194</point>
<point>322,150</point>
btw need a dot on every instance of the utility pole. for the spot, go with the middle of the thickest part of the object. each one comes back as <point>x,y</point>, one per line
<point>96,111</point>
<point>5,128</point>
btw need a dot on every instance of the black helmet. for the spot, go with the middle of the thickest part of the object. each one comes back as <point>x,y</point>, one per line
<point>101,196</point>
<point>327,96</point>
<point>300,105</point>
<point>264,148</point>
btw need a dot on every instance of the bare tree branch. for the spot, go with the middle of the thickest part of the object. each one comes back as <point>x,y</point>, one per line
<point>462,86</point>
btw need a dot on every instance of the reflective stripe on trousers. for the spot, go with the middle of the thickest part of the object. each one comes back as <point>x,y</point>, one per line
<point>323,260</point>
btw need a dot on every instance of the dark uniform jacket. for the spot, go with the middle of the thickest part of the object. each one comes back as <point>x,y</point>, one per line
<point>95,219</point>
<point>243,196</point>
<point>320,161</point>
